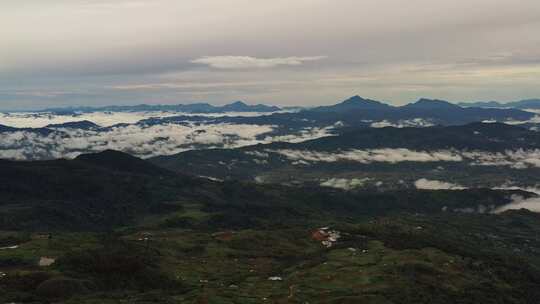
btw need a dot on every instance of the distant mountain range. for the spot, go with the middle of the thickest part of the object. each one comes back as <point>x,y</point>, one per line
<point>148,137</point>
<point>522,104</point>
<point>351,104</point>
<point>356,110</point>
<point>356,103</point>
<point>237,106</point>
<point>353,112</point>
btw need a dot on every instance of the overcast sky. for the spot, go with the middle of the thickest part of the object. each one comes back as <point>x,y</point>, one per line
<point>284,52</point>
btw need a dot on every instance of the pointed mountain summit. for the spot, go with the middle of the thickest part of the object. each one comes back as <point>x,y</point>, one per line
<point>432,104</point>
<point>354,103</point>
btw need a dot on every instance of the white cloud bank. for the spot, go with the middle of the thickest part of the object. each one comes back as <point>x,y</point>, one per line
<point>519,202</point>
<point>40,120</point>
<point>142,140</point>
<point>345,183</point>
<point>371,155</point>
<point>516,159</point>
<point>104,119</point>
<point>247,62</point>
<point>416,122</point>
<point>427,184</point>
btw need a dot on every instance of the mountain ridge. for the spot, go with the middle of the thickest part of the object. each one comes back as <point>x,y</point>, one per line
<point>533,103</point>
<point>237,106</point>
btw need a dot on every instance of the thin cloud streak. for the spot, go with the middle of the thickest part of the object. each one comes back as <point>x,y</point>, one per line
<point>247,62</point>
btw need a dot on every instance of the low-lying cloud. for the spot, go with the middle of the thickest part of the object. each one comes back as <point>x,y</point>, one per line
<point>519,202</point>
<point>516,159</point>
<point>345,183</point>
<point>139,140</point>
<point>371,155</point>
<point>427,184</point>
<point>143,140</point>
<point>416,122</point>
<point>104,119</point>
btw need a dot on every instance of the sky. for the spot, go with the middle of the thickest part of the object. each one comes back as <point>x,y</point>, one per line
<point>282,52</point>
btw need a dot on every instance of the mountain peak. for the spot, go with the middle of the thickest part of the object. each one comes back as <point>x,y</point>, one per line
<point>238,103</point>
<point>353,99</point>
<point>354,103</point>
<point>425,103</point>
<point>240,106</point>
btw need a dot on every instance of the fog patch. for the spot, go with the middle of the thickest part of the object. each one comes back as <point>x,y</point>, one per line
<point>534,119</point>
<point>370,156</point>
<point>517,159</point>
<point>345,183</point>
<point>303,135</point>
<point>478,209</point>
<point>416,122</point>
<point>427,184</point>
<point>257,154</point>
<point>510,186</point>
<point>519,202</point>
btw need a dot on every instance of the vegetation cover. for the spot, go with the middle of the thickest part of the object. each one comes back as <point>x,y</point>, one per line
<point>111,228</point>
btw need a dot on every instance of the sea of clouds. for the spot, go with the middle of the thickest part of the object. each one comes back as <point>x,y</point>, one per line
<point>139,140</point>
<point>122,132</point>
<point>104,119</point>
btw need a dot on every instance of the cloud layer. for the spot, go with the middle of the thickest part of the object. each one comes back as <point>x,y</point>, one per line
<point>458,50</point>
<point>104,119</point>
<point>139,140</point>
<point>123,133</point>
